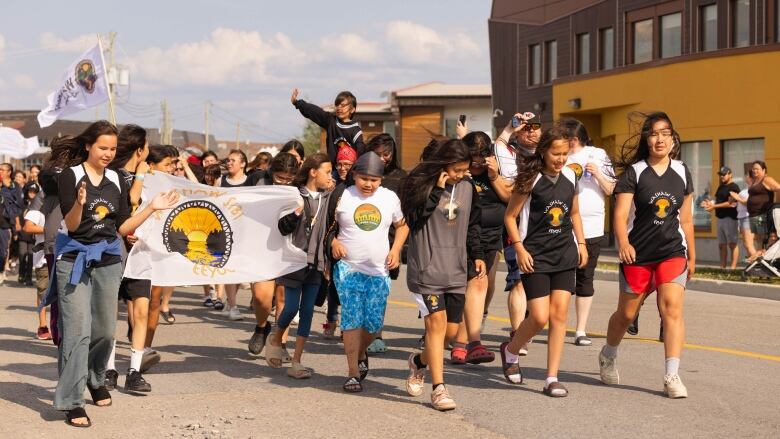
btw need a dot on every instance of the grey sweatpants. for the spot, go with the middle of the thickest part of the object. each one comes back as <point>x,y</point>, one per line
<point>87,321</point>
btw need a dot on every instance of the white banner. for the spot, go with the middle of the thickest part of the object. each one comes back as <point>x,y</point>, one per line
<point>13,144</point>
<point>214,235</point>
<point>83,86</point>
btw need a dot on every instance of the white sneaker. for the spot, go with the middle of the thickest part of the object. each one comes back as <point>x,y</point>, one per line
<point>226,310</point>
<point>296,318</point>
<point>673,387</point>
<point>441,399</point>
<point>608,370</point>
<point>235,314</point>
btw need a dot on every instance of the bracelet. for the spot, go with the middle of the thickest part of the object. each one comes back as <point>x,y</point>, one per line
<point>581,243</point>
<point>140,176</point>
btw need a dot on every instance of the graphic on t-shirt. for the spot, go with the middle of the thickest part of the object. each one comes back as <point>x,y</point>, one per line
<point>199,231</point>
<point>555,213</point>
<point>100,208</point>
<point>433,300</point>
<point>100,212</point>
<point>662,203</point>
<point>367,217</point>
<point>450,210</point>
<point>577,168</point>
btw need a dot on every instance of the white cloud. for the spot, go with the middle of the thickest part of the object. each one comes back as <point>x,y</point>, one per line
<point>226,57</point>
<point>350,47</point>
<point>24,82</point>
<point>417,44</point>
<point>76,44</point>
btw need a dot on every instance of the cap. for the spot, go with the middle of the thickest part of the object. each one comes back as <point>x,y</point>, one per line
<point>346,152</point>
<point>369,164</point>
<point>724,170</point>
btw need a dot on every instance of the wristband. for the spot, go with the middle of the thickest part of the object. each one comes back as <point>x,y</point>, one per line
<point>140,176</point>
<point>581,243</point>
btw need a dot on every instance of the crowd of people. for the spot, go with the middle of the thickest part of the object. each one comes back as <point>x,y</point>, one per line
<point>536,196</point>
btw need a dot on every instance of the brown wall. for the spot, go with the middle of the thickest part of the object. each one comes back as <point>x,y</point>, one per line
<point>416,125</point>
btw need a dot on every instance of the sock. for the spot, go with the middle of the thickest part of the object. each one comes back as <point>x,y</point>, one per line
<point>148,350</point>
<point>111,365</point>
<point>436,386</point>
<point>672,366</point>
<point>418,362</point>
<point>609,351</point>
<point>550,380</point>
<point>510,357</point>
<point>458,345</point>
<point>377,338</point>
<point>473,344</point>
<point>135,359</point>
<point>580,334</point>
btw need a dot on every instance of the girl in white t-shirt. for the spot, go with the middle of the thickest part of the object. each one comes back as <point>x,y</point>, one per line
<point>364,214</point>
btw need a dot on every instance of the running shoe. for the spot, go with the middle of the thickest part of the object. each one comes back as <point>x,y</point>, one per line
<point>673,387</point>
<point>661,332</point>
<point>235,314</point>
<point>111,377</point>
<point>208,303</point>
<point>583,340</point>
<point>135,382</point>
<point>258,339</point>
<point>149,359</point>
<point>415,382</point>
<point>608,370</point>
<point>43,333</point>
<point>441,399</point>
<point>218,305</point>
<point>633,328</point>
<point>225,311</point>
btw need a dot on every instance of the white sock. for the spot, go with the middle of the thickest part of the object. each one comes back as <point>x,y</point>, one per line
<point>550,380</point>
<point>580,334</point>
<point>510,357</point>
<point>672,366</point>
<point>111,365</point>
<point>609,351</point>
<point>147,350</point>
<point>135,359</point>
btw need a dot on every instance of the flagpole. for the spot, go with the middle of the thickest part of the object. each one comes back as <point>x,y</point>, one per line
<point>111,114</point>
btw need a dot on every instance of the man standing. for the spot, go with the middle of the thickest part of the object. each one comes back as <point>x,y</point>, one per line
<point>725,208</point>
<point>12,202</point>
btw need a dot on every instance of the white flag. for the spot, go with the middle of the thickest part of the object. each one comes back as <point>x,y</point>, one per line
<point>214,235</point>
<point>13,144</point>
<point>83,86</point>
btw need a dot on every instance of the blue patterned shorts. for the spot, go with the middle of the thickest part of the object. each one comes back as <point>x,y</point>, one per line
<point>363,298</point>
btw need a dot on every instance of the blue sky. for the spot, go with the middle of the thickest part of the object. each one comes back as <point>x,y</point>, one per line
<point>244,56</point>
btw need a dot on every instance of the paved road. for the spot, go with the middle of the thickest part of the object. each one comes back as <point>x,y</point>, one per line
<point>208,386</point>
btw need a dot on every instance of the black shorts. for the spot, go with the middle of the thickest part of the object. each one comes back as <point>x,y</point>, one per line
<point>130,289</point>
<point>538,285</point>
<point>490,259</point>
<point>584,286</point>
<point>431,303</point>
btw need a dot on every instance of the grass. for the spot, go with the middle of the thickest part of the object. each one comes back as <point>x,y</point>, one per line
<point>712,274</point>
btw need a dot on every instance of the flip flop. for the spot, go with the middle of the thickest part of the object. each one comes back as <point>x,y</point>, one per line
<point>168,317</point>
<point>512,371</point>
<point>76,413</point>
<point>352,385</point>
<point>479,354</point>
<point>363,368</point>
<point>100,394</point>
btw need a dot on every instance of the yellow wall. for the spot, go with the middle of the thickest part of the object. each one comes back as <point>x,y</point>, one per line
<point>712,99</point>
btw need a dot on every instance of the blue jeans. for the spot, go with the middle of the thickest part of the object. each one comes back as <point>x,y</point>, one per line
<point>300,301</point>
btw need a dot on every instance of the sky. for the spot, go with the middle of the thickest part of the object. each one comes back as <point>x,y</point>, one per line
<point>244,57</point>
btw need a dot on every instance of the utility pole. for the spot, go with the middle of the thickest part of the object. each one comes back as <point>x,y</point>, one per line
<point>238,133</point>
<point>108,66</point>
<point>208,110</point>
<point>166,130</point>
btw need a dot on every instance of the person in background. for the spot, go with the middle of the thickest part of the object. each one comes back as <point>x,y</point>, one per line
<point>261,162</point>
<point>34,221</point>
<point>295,148</point>
<point>12,201</point>
<point>26,241</point>
<point>725,207</point>
<point>748,240</point>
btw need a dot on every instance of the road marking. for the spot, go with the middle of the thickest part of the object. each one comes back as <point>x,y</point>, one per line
<point>735,352</point>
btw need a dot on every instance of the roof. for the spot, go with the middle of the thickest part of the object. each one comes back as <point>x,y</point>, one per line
<point>440,89</point>
<point>536,12</point>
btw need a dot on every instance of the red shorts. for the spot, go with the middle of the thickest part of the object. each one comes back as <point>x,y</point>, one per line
<point>644,279</point>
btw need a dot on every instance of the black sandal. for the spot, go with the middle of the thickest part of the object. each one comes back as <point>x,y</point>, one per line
<point>100,394</point>
<point>168,317</point>
<point>76,413</point>
<point>363,368</point>
<point>352,385</point>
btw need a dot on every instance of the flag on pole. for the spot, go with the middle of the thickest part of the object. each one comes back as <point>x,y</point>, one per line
<point>214,235</point>
<point>83,86</point>
<point>13,144</point>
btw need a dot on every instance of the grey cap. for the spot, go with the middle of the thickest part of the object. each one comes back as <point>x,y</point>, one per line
<point>369,164</point>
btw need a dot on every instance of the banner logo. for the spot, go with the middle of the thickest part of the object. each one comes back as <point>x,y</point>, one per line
<point>86,76</point>
<point>199,231</point>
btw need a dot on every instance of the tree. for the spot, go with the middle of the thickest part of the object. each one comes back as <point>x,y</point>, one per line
<point>311,137</point>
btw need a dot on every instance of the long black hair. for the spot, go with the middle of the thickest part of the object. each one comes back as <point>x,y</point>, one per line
<point>436,156</point>
<point>636,148</point>
<point>312,162</point>
<point>285,163</point>
<point>576,129</point>
<point>529,167</point>
<point>158,153</point>
<point>131,138</point>
<point>479,143</point>
<point>384,141</point>
<point>67,151</point>
<point>294,145</point>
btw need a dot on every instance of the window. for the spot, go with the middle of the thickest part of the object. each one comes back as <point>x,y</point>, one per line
<point>389,127</point>
<point>671,35</point>
<point>606,49</point>
<point>708,23</point>
<point>534,65</point>
<point>551,61</point>
<point>739,154</point>
<point>643,41</point>
<point>740,23</point>
<point>583,53</point>
<point>698,157</point>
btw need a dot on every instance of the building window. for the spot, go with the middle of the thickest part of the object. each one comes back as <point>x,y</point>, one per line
<point>740,23</point>
<point>643,41</point>
<point>739,154</point>
<point>583,53</point>
<point>534,65</point>
<point>708,23</point>
<point>388,127</point>
<point>551,61</point>
<point>671,35</point>
<point>606,49</point>
<point>698,157</point>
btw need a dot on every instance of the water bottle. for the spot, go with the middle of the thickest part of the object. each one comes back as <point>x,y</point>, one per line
<point>585,172</point>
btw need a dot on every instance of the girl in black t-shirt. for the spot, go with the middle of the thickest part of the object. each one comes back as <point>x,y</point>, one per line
<point>654,232</point>
<point>95,207</point>
<point>550,245</point>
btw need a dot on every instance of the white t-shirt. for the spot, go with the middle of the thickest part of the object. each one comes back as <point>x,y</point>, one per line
<point>742,208</point>
<point>364,223</point>
<point>38,219</point>
<point>591,197</point>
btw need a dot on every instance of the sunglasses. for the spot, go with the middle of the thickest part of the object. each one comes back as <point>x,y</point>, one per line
<point>531,126</point>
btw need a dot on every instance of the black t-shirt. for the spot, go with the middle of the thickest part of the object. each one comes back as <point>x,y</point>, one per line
<point>251,180</point>
<point>654,225</point>
<point>492,213</point>
<point>106,208</point>
<point>721,196</point>
<point>545,223</point>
